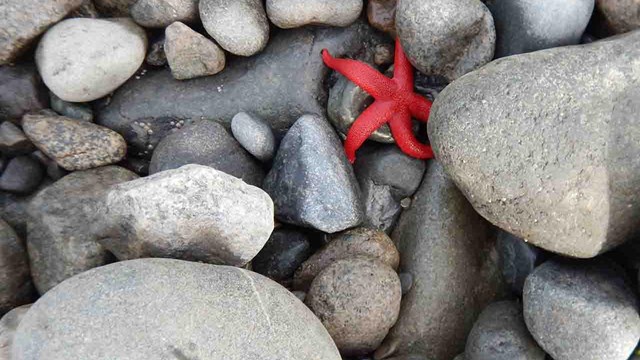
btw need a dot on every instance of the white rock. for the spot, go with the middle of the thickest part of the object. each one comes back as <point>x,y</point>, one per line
<point>288,14</point>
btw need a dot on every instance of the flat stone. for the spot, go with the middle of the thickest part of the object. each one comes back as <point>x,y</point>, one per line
<point>77,111</point>
<point>8,326</point>
<point>114,8</point>
<point>85,59</point>
<point>357,300</point>
<point>190,54</point>
<point>238,26</point>
<point>24,20</point>
<point>382,15</point>
<point>518,259</point>
<point>446,38</point>
<point>278,85</point>
<point>193,213</point>
<point>582,310</point>
<point>255,135</point>
<point>288,14</point>
<point>528,25</point>
<point>21,91</point>
<point>358,242</point>
<point>450,252</point>
<point>162,13</point>
<point>74,144</point>
<point>501,334</point>
<point>205,315</point>
<point>311,182</point>
<point>284,252</point>
<point>620,15</point>
<point>13,141</point>
<point>17,288</point>
<point>22,175</point>
<point>206,143</point>
<point>571,187</point>
<point>59,237</point>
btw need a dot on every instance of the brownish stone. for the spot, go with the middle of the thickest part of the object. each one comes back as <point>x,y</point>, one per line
<point>382,15</point>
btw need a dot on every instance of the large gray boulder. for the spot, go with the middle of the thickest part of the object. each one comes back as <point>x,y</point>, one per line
<point>8,326</point>
<point>451,253</point>
<point>171,309</point>
<point>550,155</point>
<point>279,85</point>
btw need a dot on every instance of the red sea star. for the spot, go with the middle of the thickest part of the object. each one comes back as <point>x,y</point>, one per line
<point>395,103</point>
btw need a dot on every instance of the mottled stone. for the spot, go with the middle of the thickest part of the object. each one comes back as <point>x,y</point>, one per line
<point>529,25</point>
<point>450,252</point>
<point>382,15</point>
<point>447,38</point>
<point>59,237</point>
<point>620,15</point>
<point>21,91</point>
<point>238,26</point>
<point>582,310</point>
<point>311,182</point>
<point>571,187</point>
<point>501,334</point>
<point>204,315</point>
<point>206,143</point>
<point>16,287</point>
<point>193,213</point>
<point>8,326</point>
<point>288,14</point>
<point>78,111</point>
<point>24,20</point>
<point>357,300</point>
<point>114,8</point>
<point>255,135</point>
<point>190,54</point>
<point>156,55</point>
<point>22,175</point>
<point>358,242</point>
<point>283,253</point>
<point>74,144</point>
<point>517,260</point>
<point>13,141</point>
<point>85,59</point>
<point>162,13</point>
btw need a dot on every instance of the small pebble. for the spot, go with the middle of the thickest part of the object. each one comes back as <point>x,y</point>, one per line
<point>190,54</point>
<point>254,135</point>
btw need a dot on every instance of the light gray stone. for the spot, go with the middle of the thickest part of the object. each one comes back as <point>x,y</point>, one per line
<point>162,13</point>
<point>358,301</point>
<point>77,111</point>
<point>24,20</point>
<point>21,91</point>
<point>560,134</point>
<point>8,326</point>
<point>255,135</point>
<point>190,54</point>
<point>239,26</point>
<point>582,310</point>
<point>501,334</point>
<point>450,252</point>
<point>446,38</point>
<point>194,213</point>
<point>16,287</point>
<point>620,15</point>
<point>85,59</point>
<point>74,144</point>
<point>171,309</point>
<point>13,141</point>
<point>311,182</point>
<point>59,237</point>
<point>22,175</point>
<point>288,14</point>
<point>529,25</point>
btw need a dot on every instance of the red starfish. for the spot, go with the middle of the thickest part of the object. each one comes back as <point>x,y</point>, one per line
<point>395,103</point>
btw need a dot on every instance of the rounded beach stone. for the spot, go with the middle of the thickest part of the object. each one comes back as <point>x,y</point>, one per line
<point>288,14</point>
<point>190,54</point>
<point>161,13</point>
<point>255,135</point>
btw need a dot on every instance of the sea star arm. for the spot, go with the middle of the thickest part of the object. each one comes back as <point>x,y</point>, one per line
<point>420,107</point>
<point>371,119</point>
<point>363,75</point>
<point>403,134</point>
<point>402,69</point>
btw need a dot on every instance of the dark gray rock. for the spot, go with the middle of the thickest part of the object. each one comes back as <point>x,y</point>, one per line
<point>283,253</point>
<point>21,91</point>
<point>450,252</point>
<point>517,260</point>
<point>206,143</point>
<point>16,287</point>
<point>8,326</point>
<point>620,15</point>
<point>59,237</point>
<point>114,8</point>
<point>86,9</point>
<point>24,20</point>
<point>156,55</point>
<point>455,38</point>
<point>582,310</point>
<point>528,25</point>
<point>13,141</point>
<point>190,54</point>
<point>501,334</point>
<point>386,176</point>
<point>162,13</point>
<point>13,209</point>
<point>54,171</point>
<point>311,182</point>
<point>22,175</point>
<point>254,135</point>
<point>204,315</point>
<point>278,85</point>
<point>74,144</point>
<point>79,111</point>
<point>571,187</point>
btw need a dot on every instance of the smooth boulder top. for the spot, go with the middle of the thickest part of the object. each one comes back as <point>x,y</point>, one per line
<point>171,309</point>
